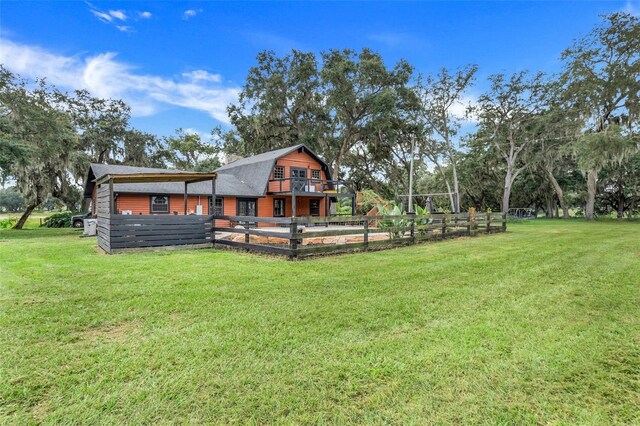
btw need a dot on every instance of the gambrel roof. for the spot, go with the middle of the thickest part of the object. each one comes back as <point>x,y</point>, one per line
<point>247,177</point>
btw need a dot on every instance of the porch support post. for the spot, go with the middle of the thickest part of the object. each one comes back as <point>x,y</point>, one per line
<point>213,197</point>
<point>293,202</point>
<point>326,208</point>
<point>213,212</point>
<point>112,207</point>
<point>185,198</point>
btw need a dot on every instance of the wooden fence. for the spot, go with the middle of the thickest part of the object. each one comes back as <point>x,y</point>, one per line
<point>295,237</point>
<point>124,232</point>
<point>300,237</point>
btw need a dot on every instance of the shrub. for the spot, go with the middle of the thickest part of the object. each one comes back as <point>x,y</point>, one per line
<point>423,217</point>
<point>394,227</point>
<point>8,223</point>
<point>58,220</point>
<point>343,210</point>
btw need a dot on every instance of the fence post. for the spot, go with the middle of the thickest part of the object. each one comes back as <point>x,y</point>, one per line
<point>413,227</point>
<point>293,240</point>
<point>469,224</point>
<point>455,222</point>
<point>488,222</point>
<point>444,224</point>
<point>213,231</point>
<point>366,235</point>
<point>246,234</point>
<point>504,222</point>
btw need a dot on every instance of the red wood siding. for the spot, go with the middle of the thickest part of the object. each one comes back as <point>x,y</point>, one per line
<point>296,159</point>
<point>141,203</point>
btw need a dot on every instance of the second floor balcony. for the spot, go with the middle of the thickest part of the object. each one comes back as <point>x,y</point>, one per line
<point>301,185</point>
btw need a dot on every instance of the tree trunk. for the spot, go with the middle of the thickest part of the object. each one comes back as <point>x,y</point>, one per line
<point>592,179</point>
<point>620,204</point>
<point>508,180</point>
<point>456,187</point>
<point>453,204</point>
<point>559,194</point>
<point>25,216</point>
<point>84,205</point>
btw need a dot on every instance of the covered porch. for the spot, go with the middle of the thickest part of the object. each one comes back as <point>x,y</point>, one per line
<point>321,195</point>
<point>118,232</point>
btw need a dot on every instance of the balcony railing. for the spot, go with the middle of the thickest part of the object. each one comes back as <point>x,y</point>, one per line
<point>300,185</point>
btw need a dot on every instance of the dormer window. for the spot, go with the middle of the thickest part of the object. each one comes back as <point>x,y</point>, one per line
<point>278,172</point>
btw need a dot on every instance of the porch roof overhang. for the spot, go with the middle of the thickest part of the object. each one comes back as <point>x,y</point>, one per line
<point>190,177</point>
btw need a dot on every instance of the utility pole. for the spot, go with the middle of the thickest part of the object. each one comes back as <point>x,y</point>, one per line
<point>413,149</point>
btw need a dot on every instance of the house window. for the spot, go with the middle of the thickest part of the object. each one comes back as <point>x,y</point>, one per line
<point>315,174</point>
<point>278,172</point>
<point>159,204</point>
<point>219,210</point>
<point>247,207</point>
<point>278,207</point>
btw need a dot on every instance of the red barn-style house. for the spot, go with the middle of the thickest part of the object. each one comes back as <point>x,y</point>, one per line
<point>287,182</point>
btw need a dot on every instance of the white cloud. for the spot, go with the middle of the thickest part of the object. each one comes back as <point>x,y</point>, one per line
<point>106,77</point>
<point>117,17</point>
<point>104,17</point>
<point>118,14</point>
<point>190,13</point>
<point>202,75</point>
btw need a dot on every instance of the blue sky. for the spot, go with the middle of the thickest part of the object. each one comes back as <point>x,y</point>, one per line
<point>178,64</point>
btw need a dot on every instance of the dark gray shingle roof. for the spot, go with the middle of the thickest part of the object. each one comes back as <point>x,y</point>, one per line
<point>100,170</point>
<point>255,171</point>
<point>247,177</point>
<point>226,185</point>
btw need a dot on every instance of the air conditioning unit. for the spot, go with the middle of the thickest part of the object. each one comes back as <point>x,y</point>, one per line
<point>90,227</point>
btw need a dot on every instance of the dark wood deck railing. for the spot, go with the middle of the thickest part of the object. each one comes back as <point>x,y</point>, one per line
<point>303,185</point>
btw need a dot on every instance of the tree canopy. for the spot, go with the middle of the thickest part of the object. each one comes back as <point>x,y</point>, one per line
<point>566,142</point>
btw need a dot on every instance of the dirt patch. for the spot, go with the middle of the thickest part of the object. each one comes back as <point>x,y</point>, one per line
<point>119,333</point>
<point>41,409</point>
<point>33,300</point>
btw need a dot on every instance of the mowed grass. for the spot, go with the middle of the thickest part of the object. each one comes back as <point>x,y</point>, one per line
<point>538,325</point>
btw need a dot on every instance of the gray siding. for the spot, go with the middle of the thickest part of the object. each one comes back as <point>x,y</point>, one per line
<point>121,232</point>
<point>103,209</point>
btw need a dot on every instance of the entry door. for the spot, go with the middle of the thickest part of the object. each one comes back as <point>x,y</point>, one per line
<point>298,179</point>
<point>247,207</point>
<point>314,207</point>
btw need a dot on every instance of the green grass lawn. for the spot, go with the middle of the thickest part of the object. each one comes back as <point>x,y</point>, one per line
<point>538,325</point>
